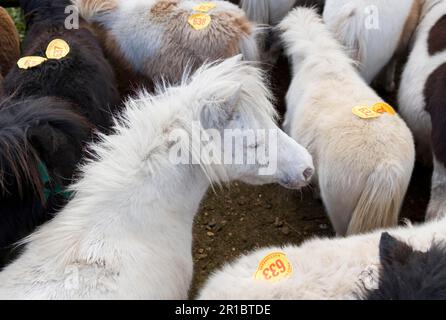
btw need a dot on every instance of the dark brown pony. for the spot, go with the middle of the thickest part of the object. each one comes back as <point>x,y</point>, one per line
<point>9,42</point>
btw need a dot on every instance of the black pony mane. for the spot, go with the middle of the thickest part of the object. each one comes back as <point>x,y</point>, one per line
<point>20,122</point>
<point>407,274</point>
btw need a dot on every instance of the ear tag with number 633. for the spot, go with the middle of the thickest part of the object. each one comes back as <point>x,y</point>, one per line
<point>274,267</point>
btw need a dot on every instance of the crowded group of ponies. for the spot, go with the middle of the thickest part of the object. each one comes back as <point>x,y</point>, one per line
<point>89,194</point>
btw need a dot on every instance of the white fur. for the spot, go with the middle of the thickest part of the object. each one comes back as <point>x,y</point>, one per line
<point>437,204</point>
<point>416,72</point>
<point>140,38</point>
<point>127,232</point>
<point>323,268</point>
<point>363,166</point>
<point>372,48</point>
<point>269,12</point>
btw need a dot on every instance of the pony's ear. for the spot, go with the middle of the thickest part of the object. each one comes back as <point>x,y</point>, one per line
<point>392,251</point>
<point>218,111</point>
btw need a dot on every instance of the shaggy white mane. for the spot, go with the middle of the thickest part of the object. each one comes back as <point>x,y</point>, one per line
<point>140,138</point>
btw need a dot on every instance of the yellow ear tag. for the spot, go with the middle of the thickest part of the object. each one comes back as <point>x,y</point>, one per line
<point>383,107</point>
<point>200,21</point>
<point>30,62</point>
<point>365,112</point>
<point>274,267</point>
<point>205,6</point>
<point>57,49</point>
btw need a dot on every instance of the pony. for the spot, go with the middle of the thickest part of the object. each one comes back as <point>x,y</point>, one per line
<point>369,266</point>
<point>421,99</point>
<point>157,39</point>
<point>408,274</point>
<point>36,134</point>
<point>34,147</point>
<point>271,12</point>
<point>10,42</point>
<point>137,199</point>
<point>84,77</point>
<point>363,165</point>
<point>373,32</point>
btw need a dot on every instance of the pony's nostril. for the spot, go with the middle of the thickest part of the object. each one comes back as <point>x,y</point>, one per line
<point>308,173</point>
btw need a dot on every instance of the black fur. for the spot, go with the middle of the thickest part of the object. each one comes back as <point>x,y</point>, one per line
<point>435,103</point>
<point>407,274</point>
<point>49,114</point>
<point>84,77</point>
<point>31,131</point>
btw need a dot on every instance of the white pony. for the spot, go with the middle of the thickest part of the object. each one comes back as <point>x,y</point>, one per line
<point>268,12</point>
<point>322,268</point>
<point>127,232</point>
<point>372,30</point>
<point>363,165</point>
<point>158,38</point>
<point>421,98</point>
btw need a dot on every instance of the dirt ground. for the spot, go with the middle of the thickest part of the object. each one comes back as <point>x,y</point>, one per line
<point>242,218</point>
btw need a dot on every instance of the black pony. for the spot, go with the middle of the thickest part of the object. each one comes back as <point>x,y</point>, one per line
<point>84,77</point>
<point>40,145</point>
<point>407,274</point>
<point>48,114</point>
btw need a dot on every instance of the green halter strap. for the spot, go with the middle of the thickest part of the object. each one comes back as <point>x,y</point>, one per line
<point>46,181</point>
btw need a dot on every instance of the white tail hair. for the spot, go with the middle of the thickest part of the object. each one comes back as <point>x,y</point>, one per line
<point>256,10</point>
<point>305,35</point>
<point>380,202</point>
<point>267,11</point>
<point>93,8</point>
<point>249,45</point>
<point>348,29</point>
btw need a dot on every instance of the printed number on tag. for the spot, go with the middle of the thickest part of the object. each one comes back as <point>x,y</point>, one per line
<point>365,112</point>
<point>274,267</point>
<point>57,49</point>
<point>205,6</point>
<point>30,62</point>
<point>200,21</point>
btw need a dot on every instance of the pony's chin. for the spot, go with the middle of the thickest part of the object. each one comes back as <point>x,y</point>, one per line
<point>298,185</point>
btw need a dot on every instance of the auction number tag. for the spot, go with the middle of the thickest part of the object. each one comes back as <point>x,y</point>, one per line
<point>383,107</point>
<point>274,267</point>
<point>205,6</point>
<point>200,21</point>
<point>57,49</point>
<point>365,112</point>
<point>30,62</point>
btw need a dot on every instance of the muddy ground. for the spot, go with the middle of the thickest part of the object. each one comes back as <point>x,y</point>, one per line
<point>241,218</point>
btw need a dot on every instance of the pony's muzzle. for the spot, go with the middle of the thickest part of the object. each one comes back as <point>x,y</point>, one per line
<point>299,182</point>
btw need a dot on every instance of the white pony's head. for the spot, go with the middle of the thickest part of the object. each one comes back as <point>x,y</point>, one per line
<point>239,137</point>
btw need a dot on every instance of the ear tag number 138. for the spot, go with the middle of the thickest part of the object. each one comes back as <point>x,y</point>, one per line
<point>274,267</point>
